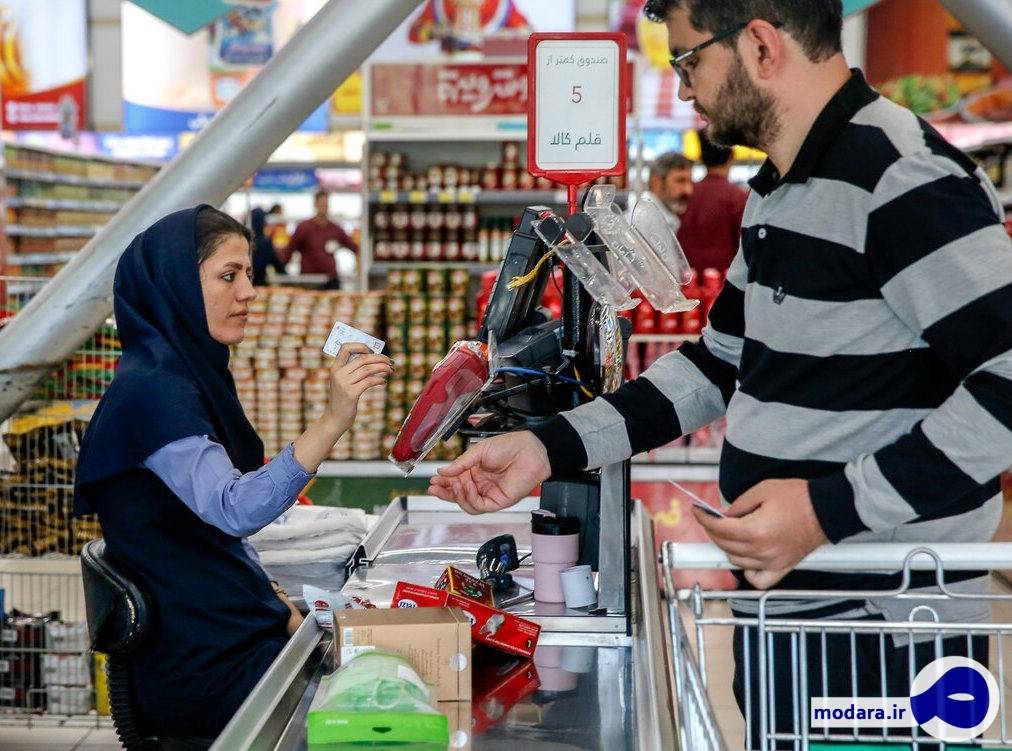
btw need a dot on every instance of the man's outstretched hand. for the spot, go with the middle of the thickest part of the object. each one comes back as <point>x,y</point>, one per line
<point>494,474</point>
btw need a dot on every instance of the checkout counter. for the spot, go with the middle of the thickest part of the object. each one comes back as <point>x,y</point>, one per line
<point>523,367</point>
<point>623,700</point>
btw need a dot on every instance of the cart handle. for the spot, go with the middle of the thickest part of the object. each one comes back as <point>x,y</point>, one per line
<point>861,556</point>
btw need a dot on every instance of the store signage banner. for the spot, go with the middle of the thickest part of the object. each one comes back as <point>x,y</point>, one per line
<point>43,65</point>
<point>577,122</point>
<point>186,15</point>
<point>286,180</point>
<point>405,90</point>
<point>442,27</point>
<point>457,89</point>
<point>175,82</point>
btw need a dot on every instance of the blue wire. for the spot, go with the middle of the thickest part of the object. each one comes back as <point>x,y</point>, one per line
<point>540,374</point>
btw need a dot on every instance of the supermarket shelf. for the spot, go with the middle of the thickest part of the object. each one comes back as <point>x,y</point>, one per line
<point>76,154</point>
<point>692,464</point>
<point>481,197</point>
<point>38,259</point>
<point>53,177</point>
<point>269,166</point>
<point>475,266</point>
<point>422,130</point>
<point>662,338</point>
<point>61,204</point>
<point>20,230</point>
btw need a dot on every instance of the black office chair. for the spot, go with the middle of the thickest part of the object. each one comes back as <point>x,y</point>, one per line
<point>119,611</point>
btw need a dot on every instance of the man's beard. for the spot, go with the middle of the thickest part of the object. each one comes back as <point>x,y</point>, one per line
<point>743,114</point>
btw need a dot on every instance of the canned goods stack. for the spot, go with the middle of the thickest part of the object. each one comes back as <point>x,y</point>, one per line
<point>280,370</point>
<point>426,312</point>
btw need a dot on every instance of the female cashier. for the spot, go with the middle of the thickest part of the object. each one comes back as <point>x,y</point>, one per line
<point>175,471</point>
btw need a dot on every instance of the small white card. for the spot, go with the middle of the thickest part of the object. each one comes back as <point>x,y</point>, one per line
<point>699,502</point>
<point>342,333</point>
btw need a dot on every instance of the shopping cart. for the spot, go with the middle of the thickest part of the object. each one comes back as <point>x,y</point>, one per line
<point>820,652</point>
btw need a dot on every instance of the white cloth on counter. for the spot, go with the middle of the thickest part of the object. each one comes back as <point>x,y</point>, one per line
<point>312,534</point>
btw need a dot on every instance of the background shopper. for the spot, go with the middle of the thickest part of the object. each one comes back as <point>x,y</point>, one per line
<point>671,186</point>
<point>317,241</point>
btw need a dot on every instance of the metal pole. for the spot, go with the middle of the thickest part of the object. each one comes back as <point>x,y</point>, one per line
<point>331,46</point>
<point>988,20</point>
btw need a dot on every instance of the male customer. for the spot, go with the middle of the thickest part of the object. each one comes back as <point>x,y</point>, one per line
<point>671,186</point>
<point>711,224</point>
<point>861,347</point>
<point>317,240</point>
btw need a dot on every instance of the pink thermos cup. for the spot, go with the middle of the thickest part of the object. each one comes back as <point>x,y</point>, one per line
<point>555,546</point>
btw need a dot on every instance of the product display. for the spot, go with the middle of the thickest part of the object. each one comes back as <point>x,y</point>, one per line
<point>36,488</point>
<point>54,202</point>
<point>282,375</point>
<point>426,312</point>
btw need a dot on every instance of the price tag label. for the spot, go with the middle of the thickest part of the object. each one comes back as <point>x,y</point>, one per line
<point>417,196</point>
<point>465,196</point>
<point>447,196</point>
<point>388,196</point>
<point>579,104</point>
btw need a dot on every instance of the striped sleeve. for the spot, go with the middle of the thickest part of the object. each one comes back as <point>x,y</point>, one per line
<point>938,249</point>
<point>681,392</point>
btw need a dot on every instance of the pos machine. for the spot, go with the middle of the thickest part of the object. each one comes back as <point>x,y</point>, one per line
<point>525,367</point>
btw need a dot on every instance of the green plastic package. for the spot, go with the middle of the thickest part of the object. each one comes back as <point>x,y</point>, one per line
<point>375,700</point>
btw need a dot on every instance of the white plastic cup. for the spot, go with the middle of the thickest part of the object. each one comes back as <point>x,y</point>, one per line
<point>578,587</point>
<point>578,659</point>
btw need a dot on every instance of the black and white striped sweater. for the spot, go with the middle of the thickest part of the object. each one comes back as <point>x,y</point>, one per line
<point>863,340</point>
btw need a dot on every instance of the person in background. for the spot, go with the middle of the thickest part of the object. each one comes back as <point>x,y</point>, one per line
<point>671,186</point>
<point>174,470</point>
<point>316,240</point>
<point>711,225</point>
<point>264,254</point>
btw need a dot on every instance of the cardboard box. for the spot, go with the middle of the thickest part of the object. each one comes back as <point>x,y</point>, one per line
<point>436,642</point>
<point>491,627</point>
<point>458,715</point>
<point>457,582</point>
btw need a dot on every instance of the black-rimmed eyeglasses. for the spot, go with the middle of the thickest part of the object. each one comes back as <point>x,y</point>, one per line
<point>677,60</point>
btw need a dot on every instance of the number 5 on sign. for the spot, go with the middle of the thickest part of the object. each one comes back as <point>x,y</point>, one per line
<point>577,106</point>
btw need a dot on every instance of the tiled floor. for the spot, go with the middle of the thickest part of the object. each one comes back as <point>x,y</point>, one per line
<point>14,738</point>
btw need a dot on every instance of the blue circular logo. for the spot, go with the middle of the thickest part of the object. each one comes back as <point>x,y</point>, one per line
<point>954,699</point>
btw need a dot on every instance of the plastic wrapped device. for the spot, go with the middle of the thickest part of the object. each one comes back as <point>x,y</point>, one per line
<point>659,274</point>
<point>595,278</point>
<point>375,699</point>
<point>323,603</point>
<point>456,381</point>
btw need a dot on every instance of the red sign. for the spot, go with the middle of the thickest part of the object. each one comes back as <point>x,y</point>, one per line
<point>406,90</point>
<point>579,87</point>
<point>44,64</point>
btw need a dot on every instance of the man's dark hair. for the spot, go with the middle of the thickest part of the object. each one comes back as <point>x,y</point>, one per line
<point>817,25</point>
<point>711,154</point>
<point>213,228</point>
<point>317,194</point>
<point>669,161</point>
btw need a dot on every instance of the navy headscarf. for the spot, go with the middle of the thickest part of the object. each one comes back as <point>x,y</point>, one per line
<point>173,379</point>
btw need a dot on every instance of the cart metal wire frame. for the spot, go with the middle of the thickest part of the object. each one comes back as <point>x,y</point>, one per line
<point>46,674</point>
<point>692,619</point>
